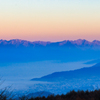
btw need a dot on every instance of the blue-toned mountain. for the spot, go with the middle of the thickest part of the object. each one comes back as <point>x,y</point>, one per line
<point>83,73</point>
<point>17,50</point>
<point>65,43</point>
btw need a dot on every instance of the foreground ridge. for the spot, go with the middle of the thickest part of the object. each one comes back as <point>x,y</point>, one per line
<point>72,95</point>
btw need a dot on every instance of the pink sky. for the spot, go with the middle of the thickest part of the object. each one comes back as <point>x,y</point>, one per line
<point>49,20</point>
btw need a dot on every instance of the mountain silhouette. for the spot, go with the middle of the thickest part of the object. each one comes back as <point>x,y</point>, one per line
<point>65,43</point>
<point>17,50</point>
<point>87,72</point>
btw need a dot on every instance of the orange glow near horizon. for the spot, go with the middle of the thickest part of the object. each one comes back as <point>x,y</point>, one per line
<point>49,30</point>
<point>53,22</point>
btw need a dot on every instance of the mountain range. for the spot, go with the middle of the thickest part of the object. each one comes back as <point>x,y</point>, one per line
<point>17,50</point>
<point>83,73</point>
<point>65,43</point>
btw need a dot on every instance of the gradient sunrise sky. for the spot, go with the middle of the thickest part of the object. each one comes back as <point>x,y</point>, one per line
<point>50,20</point>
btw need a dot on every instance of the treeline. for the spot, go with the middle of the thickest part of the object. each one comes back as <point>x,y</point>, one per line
<point>80,95</point>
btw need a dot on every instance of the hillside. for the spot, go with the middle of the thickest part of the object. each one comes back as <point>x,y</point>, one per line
<point>80,95</point>
<point>83,73</point>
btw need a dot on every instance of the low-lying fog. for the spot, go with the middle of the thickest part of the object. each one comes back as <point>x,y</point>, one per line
<point>18,75</point>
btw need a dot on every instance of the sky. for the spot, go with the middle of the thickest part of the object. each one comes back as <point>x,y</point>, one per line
<point>50,20</point>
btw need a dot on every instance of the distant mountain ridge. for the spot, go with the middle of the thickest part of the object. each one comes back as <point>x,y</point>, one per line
<point>86,72</point>
<point>17,50</point>
<point>24,43</point>
<point>65,43</point>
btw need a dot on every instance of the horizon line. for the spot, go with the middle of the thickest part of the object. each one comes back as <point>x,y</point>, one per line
<point>49,41</point>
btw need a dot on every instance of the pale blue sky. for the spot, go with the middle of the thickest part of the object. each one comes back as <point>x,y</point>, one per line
<point>45,19</point>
